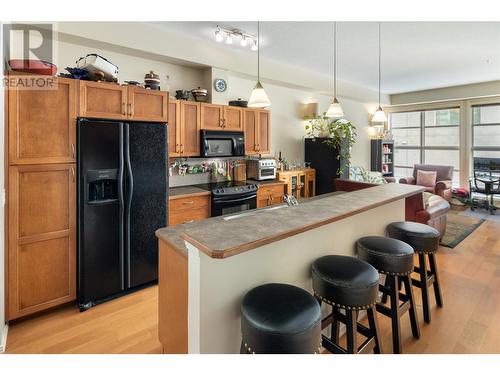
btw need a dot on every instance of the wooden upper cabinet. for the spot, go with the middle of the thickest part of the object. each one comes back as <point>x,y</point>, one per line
<point>103,100</point>
<point>147,105</point>
<point>174,124</point>
<point>264,138</point>
<point>250,119</point>
<point>190,128</point>
<point>42,124</point>
<point>42,237</point>
<point>233,118</point>
<point>212,116</point>
<point>257,127</point>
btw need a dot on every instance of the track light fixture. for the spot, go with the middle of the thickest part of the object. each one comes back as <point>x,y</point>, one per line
<point>230,34</point>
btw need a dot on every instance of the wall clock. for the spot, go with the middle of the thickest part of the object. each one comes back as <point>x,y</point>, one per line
<point>220,85</point>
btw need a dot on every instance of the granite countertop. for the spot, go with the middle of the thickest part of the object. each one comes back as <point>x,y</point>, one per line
<point>266,226</point>
<point>186,191</point>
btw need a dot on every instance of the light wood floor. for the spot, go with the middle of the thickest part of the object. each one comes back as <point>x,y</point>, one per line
<point>468,323</point>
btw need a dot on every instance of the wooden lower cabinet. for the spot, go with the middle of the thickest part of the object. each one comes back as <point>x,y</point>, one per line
<point>41,238</point>
<point>301,182</point>
<point>270,194</point>
<point>187,209</point>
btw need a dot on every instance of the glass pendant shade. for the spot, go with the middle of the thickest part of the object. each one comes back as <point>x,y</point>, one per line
<point>258,97</point>
<point>379,116</point>
<point>335,110</point>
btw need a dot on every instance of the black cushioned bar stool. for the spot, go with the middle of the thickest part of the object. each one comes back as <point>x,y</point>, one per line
<point>393,258</point>
<point>280,319</point>
<point>425,241</point>
<point>349,284</point>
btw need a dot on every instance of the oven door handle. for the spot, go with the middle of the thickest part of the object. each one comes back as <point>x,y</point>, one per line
<point>219,200</point>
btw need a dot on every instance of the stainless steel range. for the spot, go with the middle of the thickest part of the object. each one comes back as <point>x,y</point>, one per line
<point>232,197</point>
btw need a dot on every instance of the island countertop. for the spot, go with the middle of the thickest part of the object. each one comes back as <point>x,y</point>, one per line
<point>220,238</point>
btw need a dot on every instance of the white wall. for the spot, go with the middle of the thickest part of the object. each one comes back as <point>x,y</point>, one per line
<point>133,68</point>
<point>287,126</point>
<point>474,90</point>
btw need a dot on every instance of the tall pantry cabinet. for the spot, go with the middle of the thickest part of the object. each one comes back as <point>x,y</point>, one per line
<point>41,190</point>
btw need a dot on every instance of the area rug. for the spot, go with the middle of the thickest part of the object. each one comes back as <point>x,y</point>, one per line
<point>458,228</point>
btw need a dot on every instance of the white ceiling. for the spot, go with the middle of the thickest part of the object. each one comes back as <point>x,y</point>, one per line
<point>415,55</point>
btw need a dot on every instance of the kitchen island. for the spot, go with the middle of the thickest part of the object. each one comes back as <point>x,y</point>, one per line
<point>206,267</point>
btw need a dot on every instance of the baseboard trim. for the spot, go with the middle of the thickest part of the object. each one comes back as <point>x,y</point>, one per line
<point>3,339</point>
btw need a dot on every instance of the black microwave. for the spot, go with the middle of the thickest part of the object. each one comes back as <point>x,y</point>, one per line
<point>216,143</point>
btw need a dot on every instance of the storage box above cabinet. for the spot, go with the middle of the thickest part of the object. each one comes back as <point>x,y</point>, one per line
<point>112,101</point>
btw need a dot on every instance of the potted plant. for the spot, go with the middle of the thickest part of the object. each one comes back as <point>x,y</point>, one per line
<point>339,134</point>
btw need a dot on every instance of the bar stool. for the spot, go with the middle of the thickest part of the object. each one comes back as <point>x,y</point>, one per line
<point>425,241</point>
<point>394,259</point>
<point>280,319</point>
<point>350,284</point>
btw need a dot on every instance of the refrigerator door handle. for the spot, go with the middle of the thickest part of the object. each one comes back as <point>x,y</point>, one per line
<point>129,198</point>
<point>122,207</point>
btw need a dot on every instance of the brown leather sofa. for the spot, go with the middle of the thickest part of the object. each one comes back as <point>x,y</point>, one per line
<point>427,209</point>
<point>443,179</point>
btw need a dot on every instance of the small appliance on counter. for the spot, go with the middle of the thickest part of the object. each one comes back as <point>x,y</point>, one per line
<point>261,169</point>
<point>216,143</point>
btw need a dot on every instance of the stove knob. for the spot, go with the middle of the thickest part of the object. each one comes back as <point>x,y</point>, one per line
<point>222,190</point>
<point>217,191</point>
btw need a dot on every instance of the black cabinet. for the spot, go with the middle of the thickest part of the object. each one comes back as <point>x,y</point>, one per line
<point>327,163</point>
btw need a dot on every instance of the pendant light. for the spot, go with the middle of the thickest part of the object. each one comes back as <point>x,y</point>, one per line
<point>258,97</point>
<point>379,115</point>
<point>335,110</point>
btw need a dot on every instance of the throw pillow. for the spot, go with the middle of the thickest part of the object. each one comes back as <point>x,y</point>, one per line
<point>375,178</point>
<point>426,178</point>
<point>357,174</point>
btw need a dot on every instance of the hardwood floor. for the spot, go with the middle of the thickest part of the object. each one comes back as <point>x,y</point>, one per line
<point>124,325</point>
<point>468,322</point>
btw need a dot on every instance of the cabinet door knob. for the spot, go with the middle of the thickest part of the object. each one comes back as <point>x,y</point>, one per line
<point>130,109</point>
<point>123,109</point>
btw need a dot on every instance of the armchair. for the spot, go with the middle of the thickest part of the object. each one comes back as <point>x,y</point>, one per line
<point>443,179</point>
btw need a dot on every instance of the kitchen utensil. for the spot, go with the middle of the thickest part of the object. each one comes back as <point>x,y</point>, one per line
<point>182,94</point>
<point>93,63</point>
<point>239,103</point>
<point>199,94</point>
<point>33,66</point>
<point>152,80</point>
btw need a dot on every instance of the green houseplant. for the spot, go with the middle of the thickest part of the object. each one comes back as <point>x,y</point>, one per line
<point>339,134</point>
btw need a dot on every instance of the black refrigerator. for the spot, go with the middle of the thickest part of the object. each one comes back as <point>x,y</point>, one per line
<point>325,160</point>
<point>122,201</point>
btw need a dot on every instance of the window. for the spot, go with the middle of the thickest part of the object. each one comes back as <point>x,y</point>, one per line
<point>486,131</point>
<point>428,136</point>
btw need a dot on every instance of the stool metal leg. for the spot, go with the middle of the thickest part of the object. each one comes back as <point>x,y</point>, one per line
<point>373,323</point>
<point>395,315</point>
<point>424,286</point>
<point>415,329</point>
<point>437,288</point>
<point>351,327</point>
